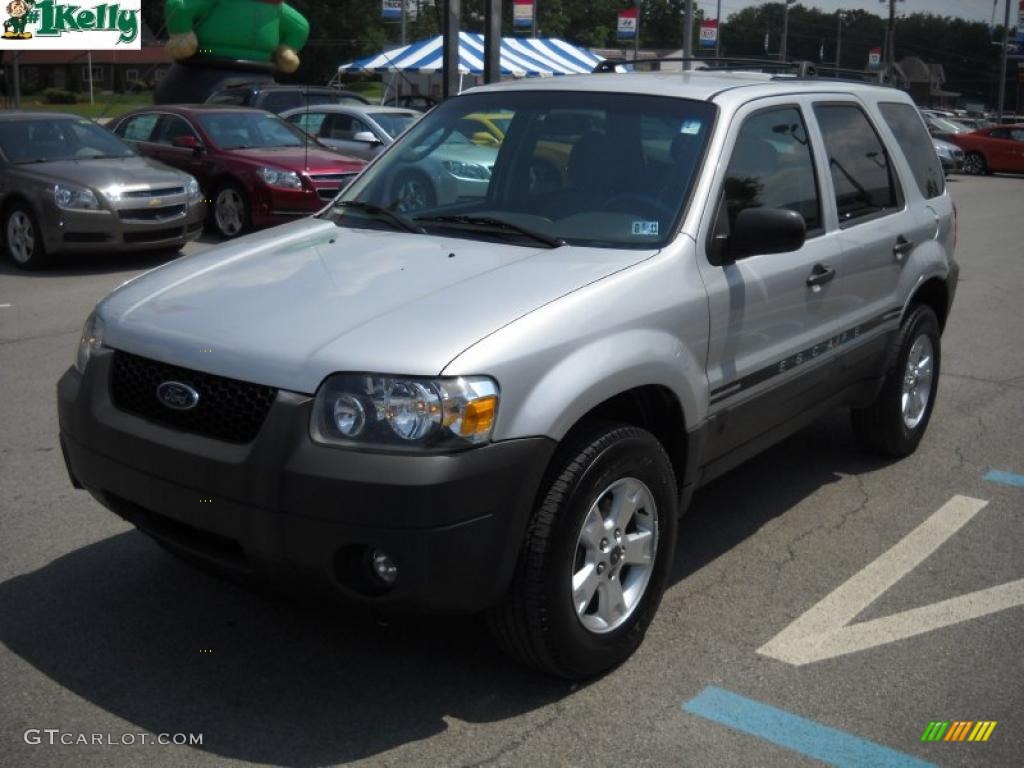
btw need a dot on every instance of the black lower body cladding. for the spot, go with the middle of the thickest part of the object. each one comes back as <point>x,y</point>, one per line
<point>284,509</point>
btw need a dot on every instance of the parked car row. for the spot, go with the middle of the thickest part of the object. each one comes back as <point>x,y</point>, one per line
<point>975,145</point>
<point>68,185</point>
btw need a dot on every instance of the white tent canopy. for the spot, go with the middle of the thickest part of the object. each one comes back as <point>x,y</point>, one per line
<point>520,57</point>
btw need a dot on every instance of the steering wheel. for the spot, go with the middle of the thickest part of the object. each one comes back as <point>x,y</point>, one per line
<point>647,203</point>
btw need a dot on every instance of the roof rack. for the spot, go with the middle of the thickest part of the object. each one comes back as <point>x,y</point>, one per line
<point>778,69</point>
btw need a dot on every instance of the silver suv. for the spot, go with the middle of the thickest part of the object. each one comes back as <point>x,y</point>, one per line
<point>502,402</point>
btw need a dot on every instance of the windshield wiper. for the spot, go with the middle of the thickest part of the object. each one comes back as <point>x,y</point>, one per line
<point>499,224</point>
<point>402,222</point>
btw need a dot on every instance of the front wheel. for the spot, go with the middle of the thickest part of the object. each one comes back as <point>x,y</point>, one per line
<point>894,424</point>
<point>230,212</point>
<point>974,164</point>
<point>23,239</point>
<point>596,555</point>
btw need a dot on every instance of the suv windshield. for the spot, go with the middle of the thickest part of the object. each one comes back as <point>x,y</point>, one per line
<point>46,139</point>
<point>600,169</point>
<point>246,130</point>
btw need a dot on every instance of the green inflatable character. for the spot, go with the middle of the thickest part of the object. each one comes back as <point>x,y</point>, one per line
<point>248,30</point>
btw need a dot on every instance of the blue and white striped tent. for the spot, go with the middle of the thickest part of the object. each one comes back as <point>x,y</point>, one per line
<point>520,57</point>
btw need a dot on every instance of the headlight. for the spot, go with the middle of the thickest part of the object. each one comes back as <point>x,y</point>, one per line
<point>404,413</point>
<point>469,171</point>
<point>74,198</point>
<point>943,152</point>
<point>194,193</point>
<point>273,177</point>
<point>92,339</point>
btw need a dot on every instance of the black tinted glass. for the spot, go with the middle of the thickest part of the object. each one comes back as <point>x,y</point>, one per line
<point>908,128</point>
<point>772,167</point>
<point>861,173</point>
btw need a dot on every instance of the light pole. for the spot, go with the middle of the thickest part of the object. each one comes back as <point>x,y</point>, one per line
<point>785,28</point>
<point>688,35</point>
<point>1002,67</point>
<point>839,35</point>
<point>718,30</point>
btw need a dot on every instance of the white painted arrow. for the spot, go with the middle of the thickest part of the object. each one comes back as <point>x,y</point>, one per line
<point>825,630</point>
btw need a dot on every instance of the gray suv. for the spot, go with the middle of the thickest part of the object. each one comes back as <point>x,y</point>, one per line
<point>503,402</point>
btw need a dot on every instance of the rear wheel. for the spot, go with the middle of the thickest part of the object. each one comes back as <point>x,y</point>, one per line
<point>894,424</point>
<point>23,239</point>
<point>974,164</point>
<point>596,556</point>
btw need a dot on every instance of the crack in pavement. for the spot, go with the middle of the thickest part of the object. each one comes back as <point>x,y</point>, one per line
<point>519,741</point>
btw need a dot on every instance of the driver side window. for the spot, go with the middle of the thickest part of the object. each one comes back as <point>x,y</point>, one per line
<point>772,166</point>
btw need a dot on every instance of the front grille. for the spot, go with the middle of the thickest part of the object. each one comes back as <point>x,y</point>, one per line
<point>326,193</point>
<point>164,213</point>
<point>162,192</point>
<point>153,235</point>
<point>227,410</point>
<point>343,177</point>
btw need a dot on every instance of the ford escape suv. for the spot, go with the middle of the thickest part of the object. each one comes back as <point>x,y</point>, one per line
<point>503,402</point>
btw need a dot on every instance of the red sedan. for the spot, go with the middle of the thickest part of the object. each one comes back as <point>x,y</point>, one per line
<point>254,168</point>
<point>998,148</point>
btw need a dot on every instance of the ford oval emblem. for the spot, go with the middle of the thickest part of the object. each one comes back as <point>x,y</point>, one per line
<point>180,397</point>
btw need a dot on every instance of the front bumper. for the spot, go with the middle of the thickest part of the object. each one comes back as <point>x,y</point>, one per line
<point>271,206</point>
<point>303,515</point>
<point>104,230</point>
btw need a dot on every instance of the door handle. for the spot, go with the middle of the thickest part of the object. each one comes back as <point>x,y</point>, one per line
<point>820,275</point>
<point>902,247</point>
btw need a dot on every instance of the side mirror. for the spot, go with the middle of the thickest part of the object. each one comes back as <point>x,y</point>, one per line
<point>765,230</point>
<point>187,142</point>
<point>367,137</point>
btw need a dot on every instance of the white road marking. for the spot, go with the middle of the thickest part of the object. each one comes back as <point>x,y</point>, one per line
<point>825,631</point>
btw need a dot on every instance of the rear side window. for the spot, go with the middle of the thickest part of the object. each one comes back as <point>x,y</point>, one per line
<point>280,101</point>
<point>864,181</point>
<point>772,167</point>
<point>235,98</point>
<point>908,128</point>
<point>137,128</point>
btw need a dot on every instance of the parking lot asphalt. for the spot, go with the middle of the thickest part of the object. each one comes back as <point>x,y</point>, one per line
<point>860,650</point>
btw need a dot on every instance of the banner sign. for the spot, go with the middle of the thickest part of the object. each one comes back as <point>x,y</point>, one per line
<point>874,58</point>
<point>628,24</point>
<point>391,10</point>
<point>708,33</point>
<point>522,14</point>
<point>49,25</point>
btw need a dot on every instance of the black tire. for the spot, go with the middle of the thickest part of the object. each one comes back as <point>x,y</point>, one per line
<point>536,622</point>
<point>975,165</point>
<point>19,222</point>
<point>881,427</point>
<point>412,191</point>
<point>225,226</point>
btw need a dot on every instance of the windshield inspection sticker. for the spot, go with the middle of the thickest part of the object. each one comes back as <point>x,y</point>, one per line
<point>649,228</point>
<point>690,127</point>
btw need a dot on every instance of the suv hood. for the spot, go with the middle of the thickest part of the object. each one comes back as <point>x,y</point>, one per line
<point>289,306</point>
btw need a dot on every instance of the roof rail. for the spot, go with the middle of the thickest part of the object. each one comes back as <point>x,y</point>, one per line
<point>775,67</point>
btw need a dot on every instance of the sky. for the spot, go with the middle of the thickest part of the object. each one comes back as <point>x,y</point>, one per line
<point>975,10</point>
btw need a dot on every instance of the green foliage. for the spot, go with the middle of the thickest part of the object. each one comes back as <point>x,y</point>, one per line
<point>59,96</point>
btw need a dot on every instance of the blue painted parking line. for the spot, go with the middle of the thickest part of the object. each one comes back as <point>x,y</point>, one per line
<point>1006,478</point>
<point>796,733</point>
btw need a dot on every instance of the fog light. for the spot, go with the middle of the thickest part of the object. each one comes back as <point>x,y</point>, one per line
<point>384,569</point>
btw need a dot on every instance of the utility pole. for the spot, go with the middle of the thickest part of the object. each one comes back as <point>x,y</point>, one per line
<point>402,27</point>
<point>492,41</point>
<point>533,31</point>
<point>1002,68</point>
<point>785,28</point>
<point>636,33</point>
<point>452,79</point>
<point>688,35</point>
<point>890,46</point>
<point>718,31</point>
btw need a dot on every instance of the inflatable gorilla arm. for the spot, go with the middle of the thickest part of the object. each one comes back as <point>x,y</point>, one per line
<point>247,30</point>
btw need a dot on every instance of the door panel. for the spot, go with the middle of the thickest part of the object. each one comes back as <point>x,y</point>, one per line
<point>770,332</point>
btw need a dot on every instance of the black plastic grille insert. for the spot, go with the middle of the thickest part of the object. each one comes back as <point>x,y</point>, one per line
<point>227,410</point>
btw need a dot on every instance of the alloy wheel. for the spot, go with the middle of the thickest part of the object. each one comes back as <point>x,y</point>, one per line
<point>21,239</point>
<point>917,381</point>
<point>229,211</point>
<point>615,553</point>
